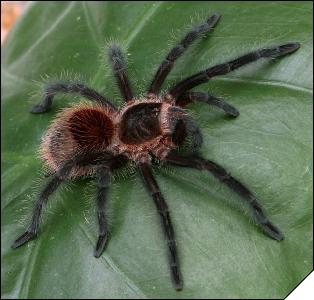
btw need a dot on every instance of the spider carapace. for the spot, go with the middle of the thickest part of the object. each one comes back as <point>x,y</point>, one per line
<point>97,138</point>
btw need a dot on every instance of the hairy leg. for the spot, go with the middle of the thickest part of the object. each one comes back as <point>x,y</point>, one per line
<point>103,182</point>
<point>104,173</point>
<point>162,208</point>
<point>189,97</point>
<point>70,87</point>
<point>32,230</point>
<point>119,70</point>
<point>219,172</point>
<point>225,68</point>
<point>178,50</point>
<point>60,176</point>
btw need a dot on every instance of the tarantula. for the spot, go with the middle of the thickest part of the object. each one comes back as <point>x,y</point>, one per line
<point>97,139</point>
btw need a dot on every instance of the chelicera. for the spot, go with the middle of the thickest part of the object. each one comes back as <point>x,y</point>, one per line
<point>98,138</point>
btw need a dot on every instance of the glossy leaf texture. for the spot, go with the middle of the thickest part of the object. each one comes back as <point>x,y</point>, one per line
<point>268,147</point>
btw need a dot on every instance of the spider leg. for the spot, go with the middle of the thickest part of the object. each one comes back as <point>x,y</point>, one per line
<point>103,181</point>
<point>60,176</point>
<point>32,230</point>
<point>225,68</point>
<point>162,208</point>
<point>219,172</point>
<point>103,173</point>
<point>178,50</point>
<point>119,70</point>
<point>70,87</point>
<point>189,97</point>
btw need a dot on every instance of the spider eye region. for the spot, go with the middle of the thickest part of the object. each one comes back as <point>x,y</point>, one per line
<point>91,128</point>
<point>140,123</point>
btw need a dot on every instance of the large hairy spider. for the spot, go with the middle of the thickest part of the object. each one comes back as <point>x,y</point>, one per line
<point>96,139</point>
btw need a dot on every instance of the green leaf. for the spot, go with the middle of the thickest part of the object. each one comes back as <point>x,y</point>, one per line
<point>268,147</point>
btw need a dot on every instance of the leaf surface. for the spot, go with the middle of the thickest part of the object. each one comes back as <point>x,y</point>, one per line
<point>268,147</point>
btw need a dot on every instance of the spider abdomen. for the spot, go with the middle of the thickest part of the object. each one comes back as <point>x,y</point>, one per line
<point>76,130</point>
<point>91,128</point>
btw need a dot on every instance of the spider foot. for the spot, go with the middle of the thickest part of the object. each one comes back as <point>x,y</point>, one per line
<point>272,231</point>
<point>214,18</point>
<point>38,109</point>
<point>281,50</point>
<point>230,110</point>
<point>176,278</point>
<point>23,239</point>
<point>100,246</point>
